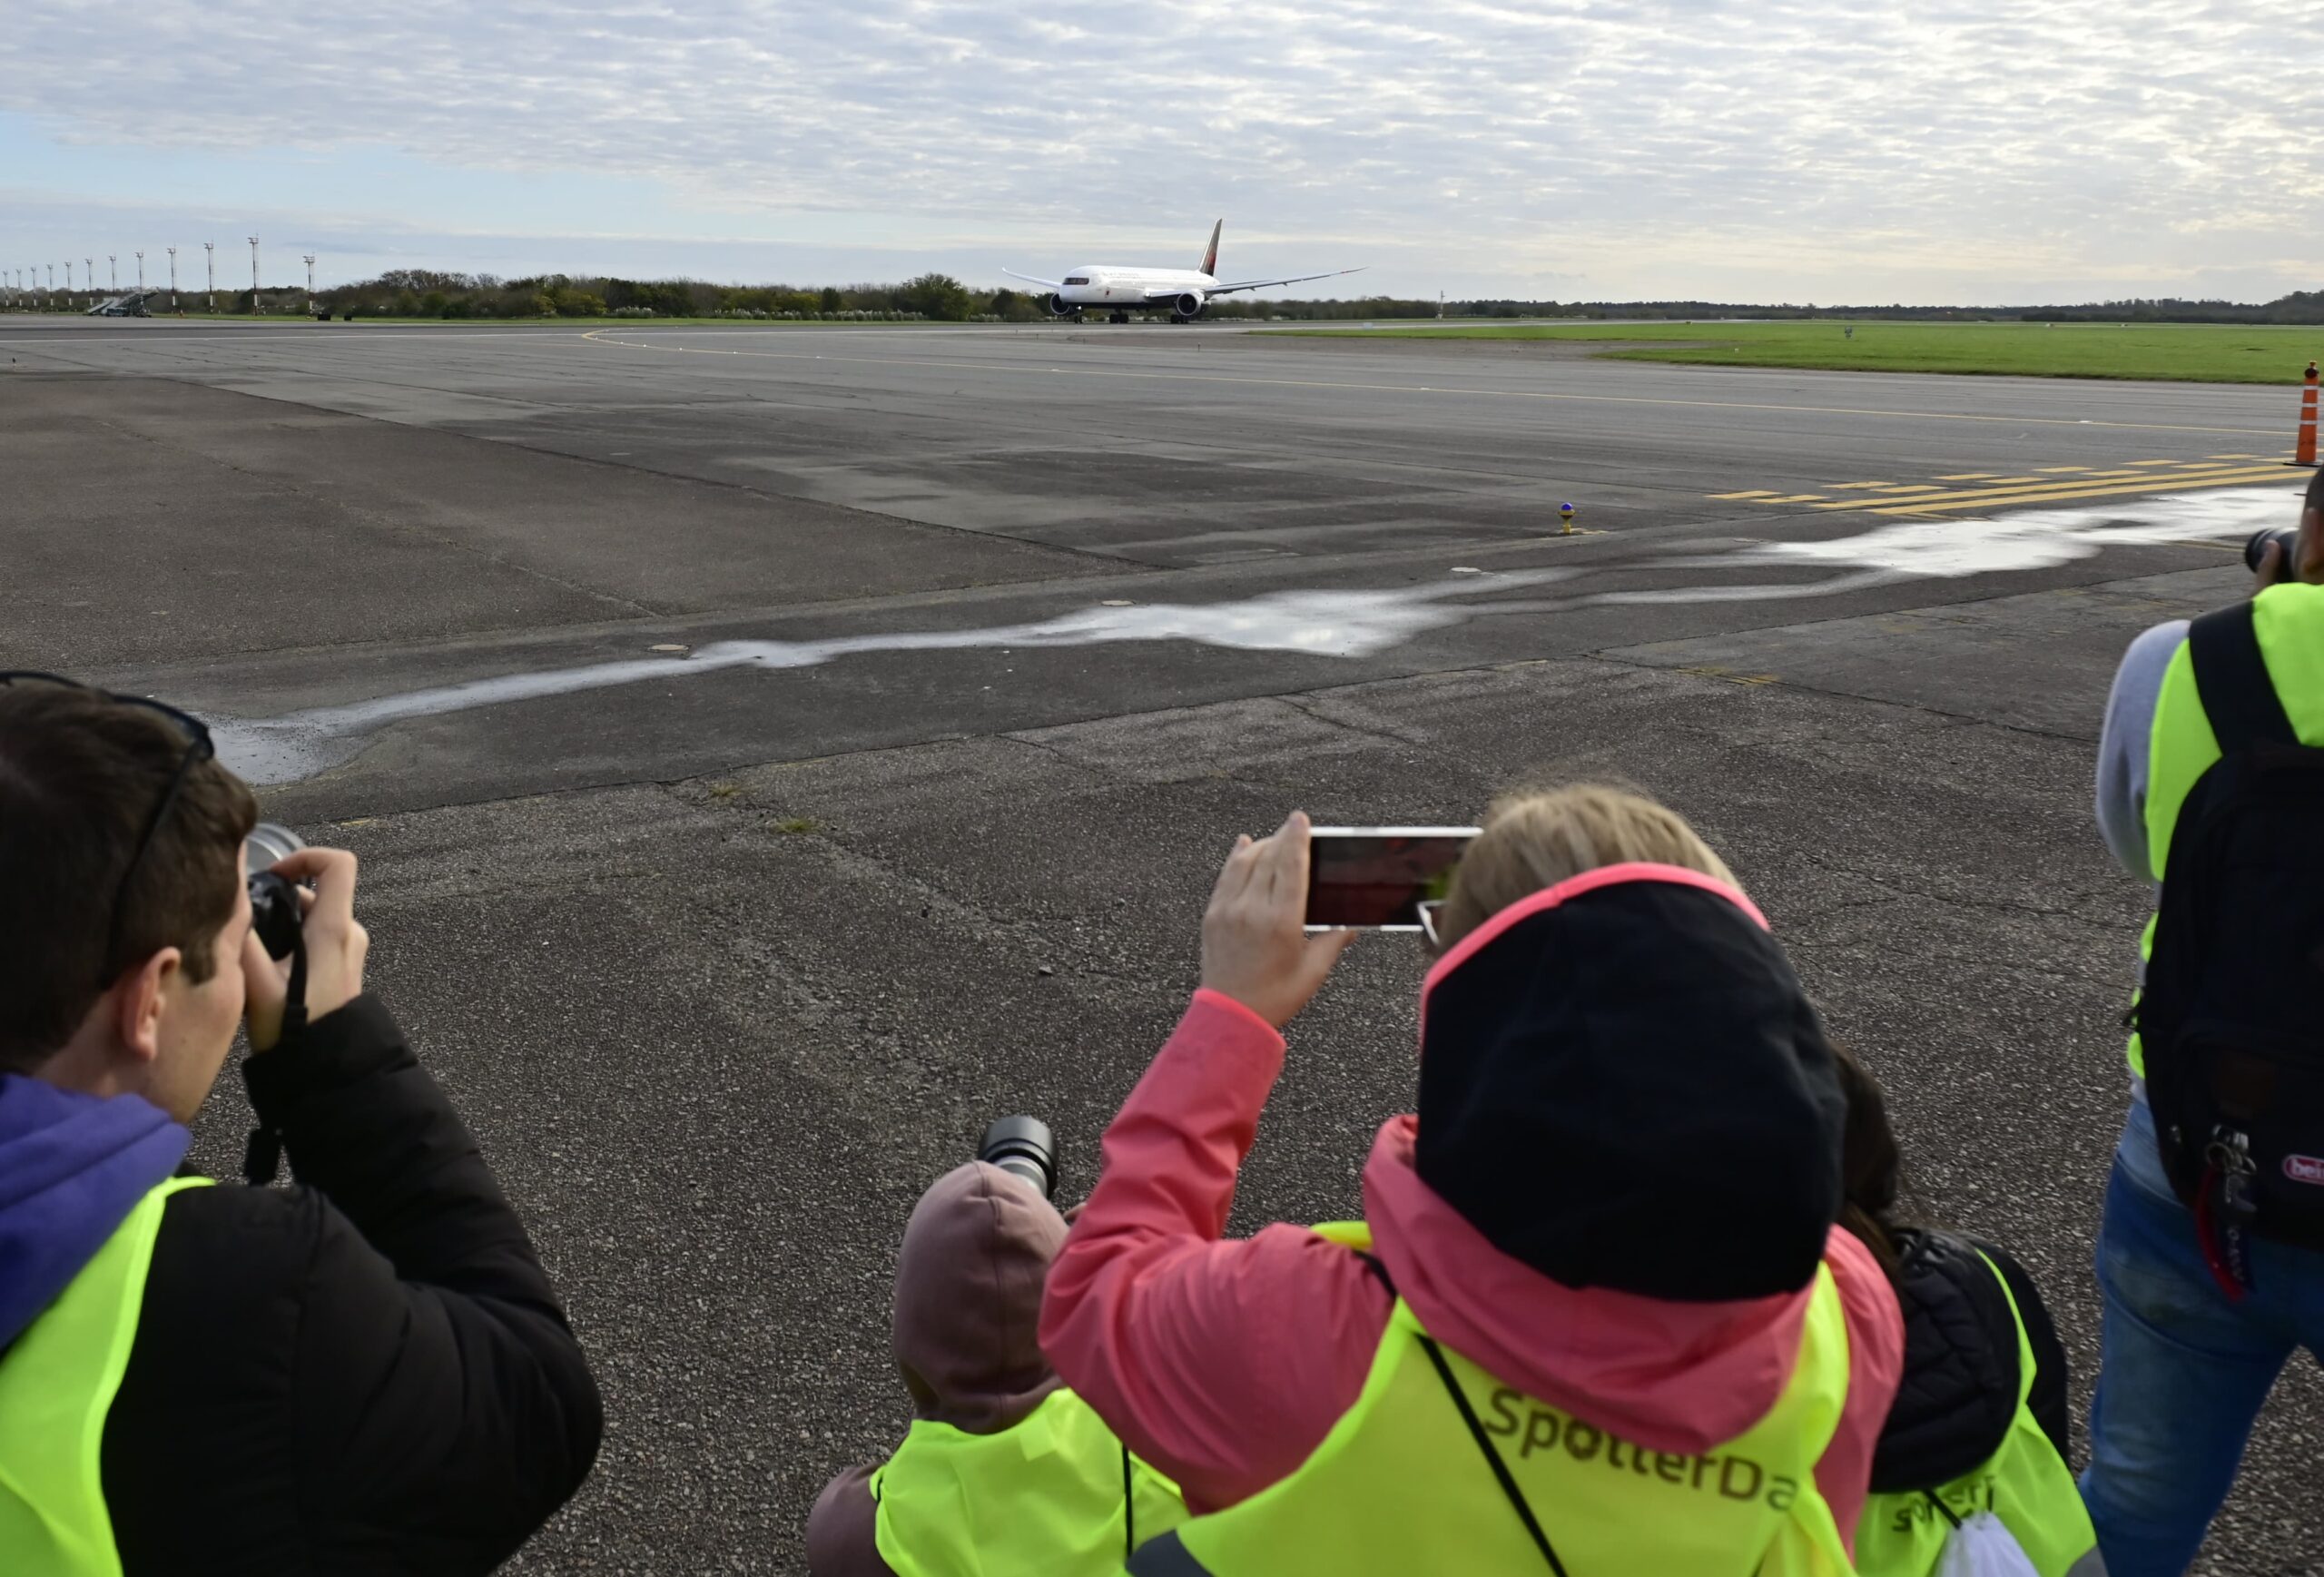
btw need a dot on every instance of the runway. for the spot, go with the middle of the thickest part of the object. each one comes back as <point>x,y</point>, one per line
<point>774,752</point>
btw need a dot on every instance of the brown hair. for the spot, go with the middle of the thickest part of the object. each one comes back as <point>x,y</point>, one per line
<point>80,775</point>
<point>1872,1168</point>
<point>1535,840</point>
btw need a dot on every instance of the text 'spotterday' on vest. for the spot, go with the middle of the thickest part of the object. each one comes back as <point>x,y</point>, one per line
<point>1736,1478</point>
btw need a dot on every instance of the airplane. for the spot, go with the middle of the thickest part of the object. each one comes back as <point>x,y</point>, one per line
<point>1122,290</point>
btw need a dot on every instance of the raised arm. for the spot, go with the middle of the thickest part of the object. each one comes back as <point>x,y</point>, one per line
<point>1221,1362</point>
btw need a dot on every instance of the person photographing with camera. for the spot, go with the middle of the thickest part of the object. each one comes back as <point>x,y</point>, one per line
<point>2210,1252</point>
<point>366,1373</point>
<point>1003,1470</point>
<point>1599,1315</point>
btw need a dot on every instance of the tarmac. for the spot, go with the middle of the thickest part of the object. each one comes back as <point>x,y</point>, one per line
<point>775,752</point>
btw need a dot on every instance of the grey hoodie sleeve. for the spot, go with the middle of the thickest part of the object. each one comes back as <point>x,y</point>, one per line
<point>2122,745</point>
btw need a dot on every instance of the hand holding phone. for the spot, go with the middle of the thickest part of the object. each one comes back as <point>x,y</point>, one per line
<point>1253,946</point>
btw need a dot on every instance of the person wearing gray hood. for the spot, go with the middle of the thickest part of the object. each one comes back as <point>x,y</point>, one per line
<point>1003,1470</point>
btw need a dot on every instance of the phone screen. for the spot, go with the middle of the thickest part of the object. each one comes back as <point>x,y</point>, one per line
<point>1376,878</point>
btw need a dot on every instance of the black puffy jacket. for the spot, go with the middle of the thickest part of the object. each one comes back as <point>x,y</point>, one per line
<point>1959,1392</point>
<point>368,1373</point>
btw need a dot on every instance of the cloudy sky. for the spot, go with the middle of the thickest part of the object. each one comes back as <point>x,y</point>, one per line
<point>2001,151</point>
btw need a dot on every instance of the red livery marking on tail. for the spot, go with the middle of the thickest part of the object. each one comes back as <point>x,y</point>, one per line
<point>1210,258</point>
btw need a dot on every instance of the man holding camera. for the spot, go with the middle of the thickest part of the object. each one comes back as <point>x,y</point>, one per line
<point>2211,1256</point>
<point>366,1373</point>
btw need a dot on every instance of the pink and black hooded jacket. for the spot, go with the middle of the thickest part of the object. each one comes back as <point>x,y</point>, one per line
<point>1623,1176</point>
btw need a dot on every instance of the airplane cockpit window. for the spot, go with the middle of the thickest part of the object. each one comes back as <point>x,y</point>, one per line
<point>1076,279</point>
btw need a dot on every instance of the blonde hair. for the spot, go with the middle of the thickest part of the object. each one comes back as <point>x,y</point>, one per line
<point>1536,839</point>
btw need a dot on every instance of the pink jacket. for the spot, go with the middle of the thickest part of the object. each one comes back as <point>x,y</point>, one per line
<point>1225,1362</point>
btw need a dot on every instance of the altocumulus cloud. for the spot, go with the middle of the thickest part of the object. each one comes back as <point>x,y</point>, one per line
<point>1993,151</point>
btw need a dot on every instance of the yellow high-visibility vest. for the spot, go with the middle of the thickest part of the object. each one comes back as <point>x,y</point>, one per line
<point>58,1382</point>
<point>1402,1483</point>
<point>2025,1483</point>
<point>1056,1493</point>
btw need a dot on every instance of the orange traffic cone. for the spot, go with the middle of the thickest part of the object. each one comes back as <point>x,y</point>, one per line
<point>2305,453</point>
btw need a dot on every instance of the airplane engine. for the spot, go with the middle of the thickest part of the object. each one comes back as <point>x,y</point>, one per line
<point>1058,306</point>
<point>1186,307</point>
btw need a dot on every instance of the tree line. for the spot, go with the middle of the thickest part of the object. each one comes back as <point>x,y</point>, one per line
<point>940,297</point>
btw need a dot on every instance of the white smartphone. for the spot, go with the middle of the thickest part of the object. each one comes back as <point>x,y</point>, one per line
<point>1376,878</point>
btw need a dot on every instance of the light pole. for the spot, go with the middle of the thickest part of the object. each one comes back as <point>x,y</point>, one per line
<point>112,266</point>
<point>253,274</point>
<point>174,276</point>
<point>90,278</point>
<point>140,272</point>
<point>209,260</point>
<point>311,283</point>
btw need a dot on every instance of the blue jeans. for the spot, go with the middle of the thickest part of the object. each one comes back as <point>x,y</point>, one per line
<point>2183,1371</point>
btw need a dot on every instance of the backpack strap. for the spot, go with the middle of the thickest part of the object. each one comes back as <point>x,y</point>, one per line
<point>2231,678</point>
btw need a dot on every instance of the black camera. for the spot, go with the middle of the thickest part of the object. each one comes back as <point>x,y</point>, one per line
<point>2256,550</point>
<point>276,914</point>
<point>1024,1147</point>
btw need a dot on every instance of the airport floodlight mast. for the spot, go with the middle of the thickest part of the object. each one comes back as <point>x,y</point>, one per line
<point>311,283</point>
<point>140,273</point>
<point>112,266</point>
<point>210,258</point>
<point>253,274</point>
<point>174,276</point>
<point>90,278</point>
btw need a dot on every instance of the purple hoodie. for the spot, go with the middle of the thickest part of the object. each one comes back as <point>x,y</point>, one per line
<point>71,1168</point>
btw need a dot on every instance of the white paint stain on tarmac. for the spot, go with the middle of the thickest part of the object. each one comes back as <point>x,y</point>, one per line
<point>1343,624</point>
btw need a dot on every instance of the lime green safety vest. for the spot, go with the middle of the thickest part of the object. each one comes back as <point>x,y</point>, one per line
<point>56,1384</point>
<point>2288,621</point>
<point>1402,1483</point>
<point>2025,1483</point>
<point>1056,1493</point>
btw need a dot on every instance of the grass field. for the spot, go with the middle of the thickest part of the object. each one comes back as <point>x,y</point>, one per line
<point>2189,353</point>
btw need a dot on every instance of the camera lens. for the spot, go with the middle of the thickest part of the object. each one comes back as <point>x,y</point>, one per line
<point>2256,549</point>
<point>1023,1147</point>
<point>269,842</point>
<point>274,900</point>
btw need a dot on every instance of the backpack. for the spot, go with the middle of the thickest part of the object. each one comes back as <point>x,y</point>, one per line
<point>2231,1015</point>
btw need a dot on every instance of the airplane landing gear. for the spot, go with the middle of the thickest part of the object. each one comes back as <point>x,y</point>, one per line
<point>1118,318</point>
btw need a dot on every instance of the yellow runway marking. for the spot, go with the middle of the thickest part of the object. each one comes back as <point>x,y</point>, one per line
<point>2053,494</point>
<point>2049,483</point>
<point>596,337</point>
<point>1755,493</point>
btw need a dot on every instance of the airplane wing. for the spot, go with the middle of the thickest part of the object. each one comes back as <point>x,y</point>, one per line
<point>1262,284</point>
<point>1032,280</point>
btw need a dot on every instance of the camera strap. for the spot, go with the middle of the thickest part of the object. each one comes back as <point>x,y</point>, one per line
<point>262,1156</point>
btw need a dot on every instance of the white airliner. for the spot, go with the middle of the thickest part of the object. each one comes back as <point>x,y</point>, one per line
<point>1121,291</point>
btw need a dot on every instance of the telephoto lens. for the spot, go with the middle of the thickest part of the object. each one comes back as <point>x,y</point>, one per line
<point>2256,549</point>
<point>1024,1147</point>
<point>274,900</point>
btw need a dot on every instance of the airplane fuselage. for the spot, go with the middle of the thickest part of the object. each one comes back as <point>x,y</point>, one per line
<point>1132,288</point>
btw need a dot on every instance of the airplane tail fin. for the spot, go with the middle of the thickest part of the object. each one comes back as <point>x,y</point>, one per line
<point>1210,258</point>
